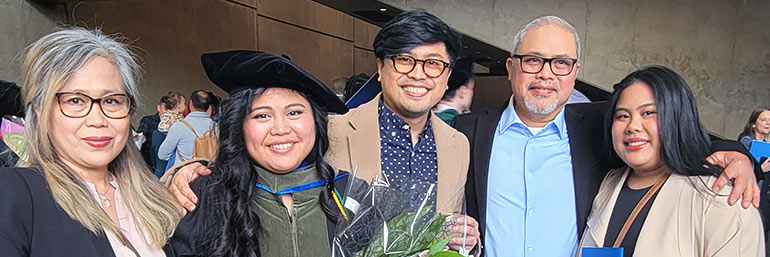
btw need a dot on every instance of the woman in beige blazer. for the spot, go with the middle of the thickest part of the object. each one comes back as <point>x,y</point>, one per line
<point>661,203</point>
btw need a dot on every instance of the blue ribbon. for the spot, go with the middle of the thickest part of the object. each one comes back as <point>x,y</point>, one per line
<point>301,188</point>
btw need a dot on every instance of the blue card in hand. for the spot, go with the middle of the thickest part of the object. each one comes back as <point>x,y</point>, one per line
<point>602,252</point>
<point>760,150</point>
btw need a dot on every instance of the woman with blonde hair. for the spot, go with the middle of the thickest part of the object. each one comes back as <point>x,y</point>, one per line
<point>86,191</point>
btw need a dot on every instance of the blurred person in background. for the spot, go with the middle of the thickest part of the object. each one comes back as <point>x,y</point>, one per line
<point>459,96</point>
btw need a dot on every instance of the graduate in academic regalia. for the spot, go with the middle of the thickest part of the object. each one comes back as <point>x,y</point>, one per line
<point>270,192</point>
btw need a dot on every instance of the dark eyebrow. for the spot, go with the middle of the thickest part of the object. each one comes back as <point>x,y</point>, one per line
<point>434,55</point>
<point>295,105</point>
<point>429,55</point>
<point>645,105</point>
<point>104,92</point>
<point>638,108</point>
<point>557,56</point>
<point>621,109</point>
<point>260,108</point>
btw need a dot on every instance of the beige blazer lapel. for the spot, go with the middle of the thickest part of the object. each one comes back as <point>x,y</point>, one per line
<point>662,229</point>
<point>364,142</point>
<point>451,178</point>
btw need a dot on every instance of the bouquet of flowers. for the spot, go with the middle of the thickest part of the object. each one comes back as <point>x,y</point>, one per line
<point>392,218</point>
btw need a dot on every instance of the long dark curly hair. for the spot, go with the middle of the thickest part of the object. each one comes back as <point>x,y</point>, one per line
<point>232,229</point>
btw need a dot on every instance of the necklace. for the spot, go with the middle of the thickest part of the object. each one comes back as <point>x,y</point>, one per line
<point>105,200</point>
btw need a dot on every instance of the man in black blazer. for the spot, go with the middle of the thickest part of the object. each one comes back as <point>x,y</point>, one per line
<point>542,73</point>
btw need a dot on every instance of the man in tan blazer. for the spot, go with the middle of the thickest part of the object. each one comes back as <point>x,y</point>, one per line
<point>415,54</point>
<point>354,144</point>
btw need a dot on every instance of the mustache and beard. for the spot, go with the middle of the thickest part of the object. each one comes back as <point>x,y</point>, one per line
<point>531,100</point>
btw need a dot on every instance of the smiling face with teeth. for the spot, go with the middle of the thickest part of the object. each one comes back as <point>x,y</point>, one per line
<point>635,128</point>
<point>541,95</point>
<point>280,130</point>
<point>413,94</point>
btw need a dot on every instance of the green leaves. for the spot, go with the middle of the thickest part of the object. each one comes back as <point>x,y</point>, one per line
<point>409,233</point>
<point>438,246</point>
<point>446,254</point>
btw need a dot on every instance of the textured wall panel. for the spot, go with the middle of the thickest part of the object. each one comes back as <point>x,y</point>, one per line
<point>309,14</point>
<point>364,34</point>
<point>324,56</point>
<point>365,62</point>
<point>171,35</point>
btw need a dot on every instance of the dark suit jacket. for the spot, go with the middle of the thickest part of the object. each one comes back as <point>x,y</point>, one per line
<point>584,127</point>
<point>32,224</point>
<point>147,126</point>
<point>590,157</point>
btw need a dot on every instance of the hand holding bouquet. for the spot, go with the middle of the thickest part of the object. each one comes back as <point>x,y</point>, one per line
<point>387,218</point>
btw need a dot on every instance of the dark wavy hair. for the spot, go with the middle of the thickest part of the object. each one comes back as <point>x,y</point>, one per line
<point>232,229</point>
<point>684,141</point>
<point>414,28</point>
<point>748,130</point>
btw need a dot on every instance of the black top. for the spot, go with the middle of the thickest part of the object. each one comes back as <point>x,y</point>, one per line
<point>7,157</point>
<point>33,224</point>
<point>625,204</point>
<point>147,126</point>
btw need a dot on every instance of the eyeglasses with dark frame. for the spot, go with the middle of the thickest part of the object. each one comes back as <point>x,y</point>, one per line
<point>79,105</point>
<point>560,66</point>
<point>433,68</point>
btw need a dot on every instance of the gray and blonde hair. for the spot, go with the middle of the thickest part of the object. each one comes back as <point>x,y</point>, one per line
<point>546,20</point>
<point>48,63</point>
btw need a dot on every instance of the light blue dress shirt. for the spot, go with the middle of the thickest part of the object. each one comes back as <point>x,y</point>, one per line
<point>181,139</point>
<point>530,194</point>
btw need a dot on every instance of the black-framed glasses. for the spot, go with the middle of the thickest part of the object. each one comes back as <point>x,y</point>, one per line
<point>560,66</point>
<point>79,105</point>
<point>433,68</point>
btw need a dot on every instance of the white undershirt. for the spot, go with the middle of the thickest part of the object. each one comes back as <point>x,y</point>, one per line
<point>133,230</point>
<point>534,130</point>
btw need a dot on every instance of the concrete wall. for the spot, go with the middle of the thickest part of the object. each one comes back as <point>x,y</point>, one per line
<point>21,23</point>
<point>720,47</point>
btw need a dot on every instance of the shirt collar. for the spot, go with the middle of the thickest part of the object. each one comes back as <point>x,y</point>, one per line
<point>112,182</point>
<point>389,121</point>
<point>442,107</point>
<point>510,117</point>
<point>198,114</point>
<point>278,182</point>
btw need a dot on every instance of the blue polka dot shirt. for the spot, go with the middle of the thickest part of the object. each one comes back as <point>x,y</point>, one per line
<point>411,168</point>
